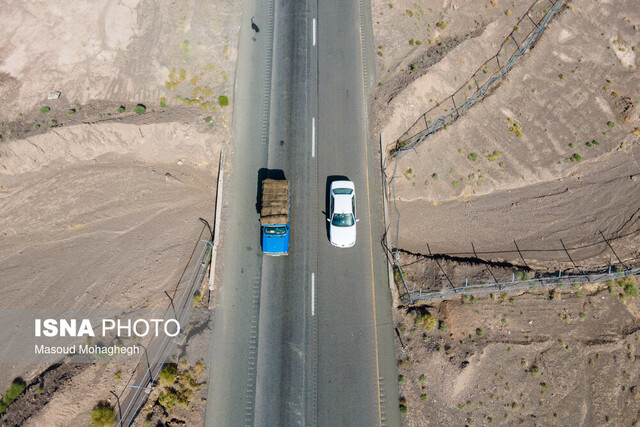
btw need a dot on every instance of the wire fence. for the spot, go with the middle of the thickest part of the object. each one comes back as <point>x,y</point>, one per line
<point>159,349</point>
<point>516,43</point>
<point>485,275</point>
<point>411,298</point>
<point>524,34</point>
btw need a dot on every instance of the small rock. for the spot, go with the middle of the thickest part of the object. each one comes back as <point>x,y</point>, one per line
<point>54,95</point>
<point>179,162</point>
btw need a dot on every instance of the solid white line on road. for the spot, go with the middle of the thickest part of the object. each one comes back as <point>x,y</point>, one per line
<point>314,31</point>
<point>313,294</point>
<point>313,137</point>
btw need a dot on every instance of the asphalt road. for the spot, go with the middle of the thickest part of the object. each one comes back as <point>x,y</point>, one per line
<point>304,339</point>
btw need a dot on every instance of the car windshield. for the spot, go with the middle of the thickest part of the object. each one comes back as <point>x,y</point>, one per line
<point>342,191</point>
<point>342,220</point>
<point>275,230</point>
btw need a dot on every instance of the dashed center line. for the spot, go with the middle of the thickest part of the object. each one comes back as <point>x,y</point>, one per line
<point>313,294</point>
<point>314,31</point>
<point>313,137</point>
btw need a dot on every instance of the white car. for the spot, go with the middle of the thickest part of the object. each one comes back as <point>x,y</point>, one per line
<point>342,214</point>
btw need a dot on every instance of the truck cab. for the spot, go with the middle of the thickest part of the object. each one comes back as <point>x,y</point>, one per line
<point>275,239</point>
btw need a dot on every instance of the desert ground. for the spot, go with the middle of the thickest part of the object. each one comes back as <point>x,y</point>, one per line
<point>113,118</point>
<point>546,161</point>
<point>560,357</point>
<point>481,181</point>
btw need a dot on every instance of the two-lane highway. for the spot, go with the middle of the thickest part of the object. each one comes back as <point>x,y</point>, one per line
<point>304,339</point>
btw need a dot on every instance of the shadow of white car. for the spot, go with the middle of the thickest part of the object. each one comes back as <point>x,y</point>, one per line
<point>342,214</point>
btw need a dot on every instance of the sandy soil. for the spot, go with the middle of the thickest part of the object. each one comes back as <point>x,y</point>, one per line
<point>561,357</point>
<point>91,218</point>
<point>122,51</point>
<point>100,206</point>
<point>577,85</point>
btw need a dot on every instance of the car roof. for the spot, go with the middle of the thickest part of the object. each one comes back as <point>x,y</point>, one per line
<point>342,203</point>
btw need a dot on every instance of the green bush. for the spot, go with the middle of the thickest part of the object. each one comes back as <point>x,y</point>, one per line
<point>397,274</point>
<point>168,399</point>
<point>575,158</point>
<point>168,374</point>
<point>223,100</point>
<point>495,156</point>
<point>140,109</point>
<point>170,396</point>
<point>479,332</point>
<point>103,415</point>
<point>629,286</point>
<point>15,389</point>
<point>121,109</point>
<point>45,109</point>
<point>71,112</point>
<point>473,157</point>
<point>426,321</point>
<point>592,143</point>
<point>208,119</point>
<point>403,409</point>
<point>442,327</point>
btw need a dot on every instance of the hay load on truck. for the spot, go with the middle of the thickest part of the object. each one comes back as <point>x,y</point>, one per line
<point>274,217</point>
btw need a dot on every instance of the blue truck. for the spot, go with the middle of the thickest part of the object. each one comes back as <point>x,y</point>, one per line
<point>274,216</point>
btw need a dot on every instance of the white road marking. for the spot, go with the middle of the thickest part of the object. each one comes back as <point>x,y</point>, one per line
<point>314,31</point>
<point>313,137</point>
<point>313,294</point>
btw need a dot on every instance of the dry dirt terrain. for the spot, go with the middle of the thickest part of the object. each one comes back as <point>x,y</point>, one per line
<point>568,169</point>
<point>559,357</point>
<point>113,118</point>
<point>546,161</point>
